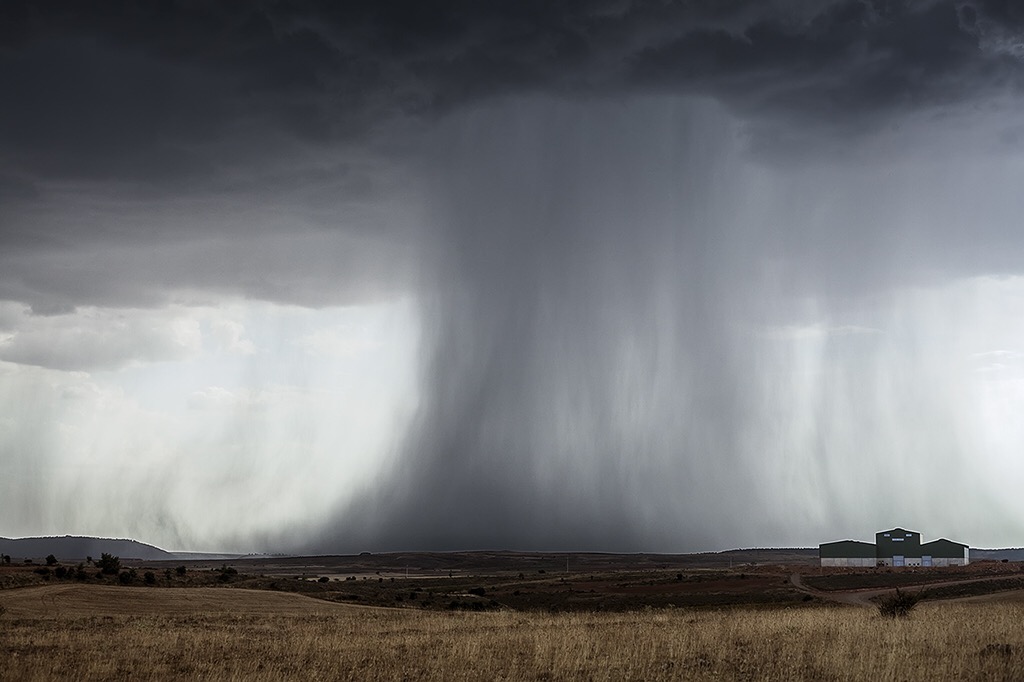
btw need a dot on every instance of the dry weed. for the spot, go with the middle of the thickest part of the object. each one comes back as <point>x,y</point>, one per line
<point>940,641</point>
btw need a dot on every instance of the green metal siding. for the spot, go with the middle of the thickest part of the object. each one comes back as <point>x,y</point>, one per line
<point>898,542</point>
<point>947,549</point>
<point>846,549</point>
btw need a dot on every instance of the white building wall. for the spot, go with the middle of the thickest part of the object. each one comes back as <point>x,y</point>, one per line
<point>857,562</point>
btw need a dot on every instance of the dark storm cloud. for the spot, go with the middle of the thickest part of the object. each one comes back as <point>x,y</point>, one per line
<point>851,59</point>
<point>126,91</point>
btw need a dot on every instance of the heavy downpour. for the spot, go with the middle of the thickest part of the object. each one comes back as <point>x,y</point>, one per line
<point>614,276</point>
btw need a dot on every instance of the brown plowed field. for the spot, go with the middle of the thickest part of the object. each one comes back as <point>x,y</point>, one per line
<point>71,601</point>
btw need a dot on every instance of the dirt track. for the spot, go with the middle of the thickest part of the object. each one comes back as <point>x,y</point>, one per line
<point>65,601</point>
<point>863,597</point>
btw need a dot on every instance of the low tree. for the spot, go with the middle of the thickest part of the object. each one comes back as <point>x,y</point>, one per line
<point>109,564</point>
<point>51,560</point>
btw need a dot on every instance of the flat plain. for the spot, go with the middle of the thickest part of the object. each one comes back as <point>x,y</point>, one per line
<point>199,626</point>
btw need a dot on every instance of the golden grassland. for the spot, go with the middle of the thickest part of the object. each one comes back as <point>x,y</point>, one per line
<point>91,632</point>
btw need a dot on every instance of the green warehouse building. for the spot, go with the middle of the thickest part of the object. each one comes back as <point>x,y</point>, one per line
<point>895,547</point>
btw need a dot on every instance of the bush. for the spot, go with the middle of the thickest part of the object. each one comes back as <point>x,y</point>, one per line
<point>109,564</point>
<point>900,604</point>
<point>51,560</point>
<point>127,577</point>
<point>181,570</point>
<point>226,573</point>
<point>60,572</point>
<point>149,577</point>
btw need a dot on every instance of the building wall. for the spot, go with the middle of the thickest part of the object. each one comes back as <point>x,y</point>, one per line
<point>906,561</point>
<point>898,542</point>
<point>847,549</point>
<point>946,549</point>
<point>859,562</point>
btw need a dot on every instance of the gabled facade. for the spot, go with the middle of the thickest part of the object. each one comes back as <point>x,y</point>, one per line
<point>898,547</point>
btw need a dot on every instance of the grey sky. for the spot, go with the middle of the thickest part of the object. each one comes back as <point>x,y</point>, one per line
<point>606,275</point>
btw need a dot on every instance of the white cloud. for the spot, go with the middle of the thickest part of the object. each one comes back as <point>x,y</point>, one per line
<point>342,341</point>
<point>230,337</point>
<point>92,338</point>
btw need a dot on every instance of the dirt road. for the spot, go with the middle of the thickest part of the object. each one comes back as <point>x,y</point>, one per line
<point>864,597</point>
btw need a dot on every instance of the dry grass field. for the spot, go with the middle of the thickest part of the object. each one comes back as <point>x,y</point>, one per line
<point>104,632</point>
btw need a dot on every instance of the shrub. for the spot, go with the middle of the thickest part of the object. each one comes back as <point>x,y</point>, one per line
<point>478,591</point>
<point>51,560</point>
<point>127,577</point>
<point>181,570</point>
<point>226,573</point>
<point>324,579</point>
<point>899,604</point>
<point>149,577</point>
<point>60,572</point>
<point>109,564</point>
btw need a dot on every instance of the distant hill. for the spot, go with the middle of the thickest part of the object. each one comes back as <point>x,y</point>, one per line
<point>74,548</point>
<point>1009,554</point>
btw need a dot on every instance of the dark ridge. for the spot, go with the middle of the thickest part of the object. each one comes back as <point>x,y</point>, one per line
<point>77,548</point>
